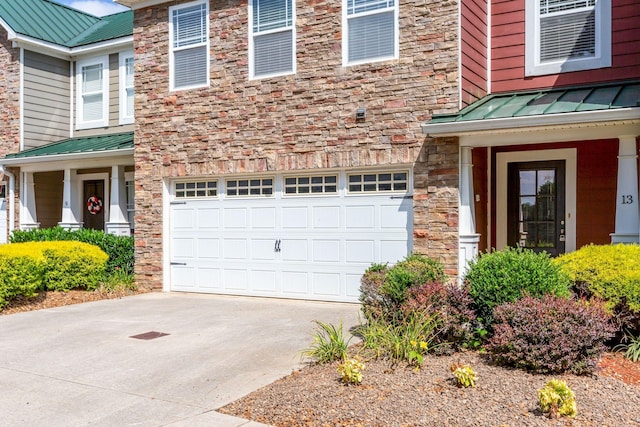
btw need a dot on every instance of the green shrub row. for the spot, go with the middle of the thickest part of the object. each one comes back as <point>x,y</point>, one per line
<point>26,268</point>
<point>119,248</point>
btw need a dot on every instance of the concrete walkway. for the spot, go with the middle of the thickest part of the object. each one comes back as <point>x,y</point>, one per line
<point>78,366</point>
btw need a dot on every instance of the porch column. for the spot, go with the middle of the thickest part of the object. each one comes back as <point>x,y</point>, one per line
<point>469,239</point>
<point>28,201</point>
<point>627,211</point>
<point>70,203</point>
<point>118,223</point>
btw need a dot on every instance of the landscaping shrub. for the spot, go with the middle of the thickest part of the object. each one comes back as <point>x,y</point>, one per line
<point>21,272</point>
<point>610,273</point>
<point>504,276</point>
<point>557,399</point>
<point>72,265</point>
<point>119,248</point>
<point>374,303</point>
<point>550,334</point>
<point>450,306</point>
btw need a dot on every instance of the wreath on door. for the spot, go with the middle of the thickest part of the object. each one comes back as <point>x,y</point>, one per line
<point>94,205</point>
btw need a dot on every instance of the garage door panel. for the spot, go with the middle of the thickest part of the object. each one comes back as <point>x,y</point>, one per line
<point>295,282</point>
<point>263,249</point>
<point>295,249</point>
<point>235,249</point>
<point>263,218</point>
<point>235,279</point>
<point>209,279</point>
<point>183,278</point>
<point>236,218</point>
<point>208,248</point>
<point>326,217</point>
<point>326,284</point>
<point>184,247</point>
<point>353,285</point>
<point>295,217</point>
<point>360,251</point>
<point>325,251</point>
<point>361,217</point>
<point>264,281</point>
<point>393,217</point>
<point>208,218</point>
<point>393,250</point>
<point>184,219</point>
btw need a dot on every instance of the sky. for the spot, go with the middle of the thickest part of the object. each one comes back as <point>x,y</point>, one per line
<point>94,7</point>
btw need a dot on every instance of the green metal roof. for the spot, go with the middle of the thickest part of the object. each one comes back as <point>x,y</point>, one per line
<point>55,23</point>
<point>548,101</point>
<point>90,144</point>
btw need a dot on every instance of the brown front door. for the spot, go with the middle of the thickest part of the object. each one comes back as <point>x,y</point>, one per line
<point>93,216</point>
<point>536,206</point>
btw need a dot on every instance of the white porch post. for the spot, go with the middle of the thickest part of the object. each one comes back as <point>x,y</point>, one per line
<point>28,201</point>
<point>469,239</point>
<point>627,211</point>
<point>118,223</point>
<point>70,214</point>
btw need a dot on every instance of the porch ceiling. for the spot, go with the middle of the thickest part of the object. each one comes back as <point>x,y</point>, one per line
<point>103,145</point>
<point>553,106</point>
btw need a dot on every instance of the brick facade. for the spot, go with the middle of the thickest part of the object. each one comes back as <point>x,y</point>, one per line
<point>301,121</point>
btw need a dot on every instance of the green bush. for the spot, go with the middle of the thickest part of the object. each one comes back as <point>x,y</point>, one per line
<point>119,248</point>
<point>72,265</point>
<point>610,273</point>
<point>21,273</point>
<point>505,276</point>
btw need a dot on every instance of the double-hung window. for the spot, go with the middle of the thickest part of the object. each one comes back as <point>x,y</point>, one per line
<point>92,93</point>
<point>126,87</point>
<point>272,40</point>
<point>370,30</point>
<point>189,45</point>
<point>567,35</point>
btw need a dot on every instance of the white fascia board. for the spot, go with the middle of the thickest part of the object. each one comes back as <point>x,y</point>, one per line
<point>67,157</point>
<point>139,4</point>
<point>10,33</point>
<point>66,53</point>
<point>473,126</point>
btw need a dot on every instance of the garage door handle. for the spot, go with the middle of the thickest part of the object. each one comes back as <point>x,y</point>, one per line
<point>277,247</point>
<point>178,263</point>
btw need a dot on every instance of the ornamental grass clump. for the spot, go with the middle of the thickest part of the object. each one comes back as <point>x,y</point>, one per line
<point>328,344</point>
<point>550,335</point>
<point>557,399</point>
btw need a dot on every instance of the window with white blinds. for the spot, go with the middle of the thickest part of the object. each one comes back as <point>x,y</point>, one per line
<point>189,44</point>
<point>126,87</point>
<point>371,30</point>
<point>567,35</point>
<point>272,38</point>
<point>92,80</point>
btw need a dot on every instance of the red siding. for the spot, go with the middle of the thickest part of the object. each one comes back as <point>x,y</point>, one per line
<point>508,49</point>
<point>474,50</point>
<point>596,187</point>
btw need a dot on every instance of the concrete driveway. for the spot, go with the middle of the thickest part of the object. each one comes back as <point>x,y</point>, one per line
<point>78,365</point>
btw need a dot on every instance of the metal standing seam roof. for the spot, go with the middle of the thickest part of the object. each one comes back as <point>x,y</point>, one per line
<point>55,23</point>
<point>548,101</point>
<point>90,144</point>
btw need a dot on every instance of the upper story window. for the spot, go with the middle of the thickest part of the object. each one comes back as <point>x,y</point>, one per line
<point>272,39</point>
<point>189,45</point>
<point>370,30</point>
<point>92,93</point>
<point>126,87</point>
<point>567,35</point>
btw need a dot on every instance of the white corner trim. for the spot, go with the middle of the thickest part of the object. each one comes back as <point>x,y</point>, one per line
<point>569,155</point>
<point>21,102</point>
<point>166,233</point>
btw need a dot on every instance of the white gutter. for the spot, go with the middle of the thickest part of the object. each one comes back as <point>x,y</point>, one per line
<point>62,157</point>
<point>471,126</point>
<point>12,197</point>
<point>62,52</point>
<point>139,4</point>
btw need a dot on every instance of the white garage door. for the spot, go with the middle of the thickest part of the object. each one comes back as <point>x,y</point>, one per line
<point>306,237</point>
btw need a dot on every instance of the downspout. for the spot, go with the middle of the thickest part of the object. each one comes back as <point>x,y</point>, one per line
<point>12,195</point>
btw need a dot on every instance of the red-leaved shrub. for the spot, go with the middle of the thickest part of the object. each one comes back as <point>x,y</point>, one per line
<point>550,335</point>
<point>451,306</point>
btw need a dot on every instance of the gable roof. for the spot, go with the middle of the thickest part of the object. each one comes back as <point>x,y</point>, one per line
<point>55,23</point>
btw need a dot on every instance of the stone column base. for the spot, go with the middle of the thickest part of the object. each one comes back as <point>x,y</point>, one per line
<point>624,238</point>
<point>71,225</point>
<point>118,228</point>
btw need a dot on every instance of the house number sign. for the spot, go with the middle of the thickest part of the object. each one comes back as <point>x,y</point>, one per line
<point>627,199</point>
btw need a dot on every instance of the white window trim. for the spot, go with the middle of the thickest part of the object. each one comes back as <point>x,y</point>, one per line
<point>602,58</point>
<point>123,56</point>
<point>345,34</point>
<point>104,122</point>
<point>292,28</point>
<point>172,87</point>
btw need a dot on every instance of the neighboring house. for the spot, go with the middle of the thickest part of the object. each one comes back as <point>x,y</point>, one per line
<point>549,154</point>
<point>67,120</point>
<point>278,143</point>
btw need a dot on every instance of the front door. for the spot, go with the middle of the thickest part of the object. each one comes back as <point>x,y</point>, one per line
<point>536,206</point>
<point>93,216</point>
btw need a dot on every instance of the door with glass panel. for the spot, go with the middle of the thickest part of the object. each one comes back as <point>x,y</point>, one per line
<point>536,206</point>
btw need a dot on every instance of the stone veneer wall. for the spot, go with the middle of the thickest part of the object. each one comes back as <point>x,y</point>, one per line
<point>10,111</point>
<point>301,121</point>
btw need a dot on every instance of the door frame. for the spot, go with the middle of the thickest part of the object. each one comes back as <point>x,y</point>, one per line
<point>569,155</point>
